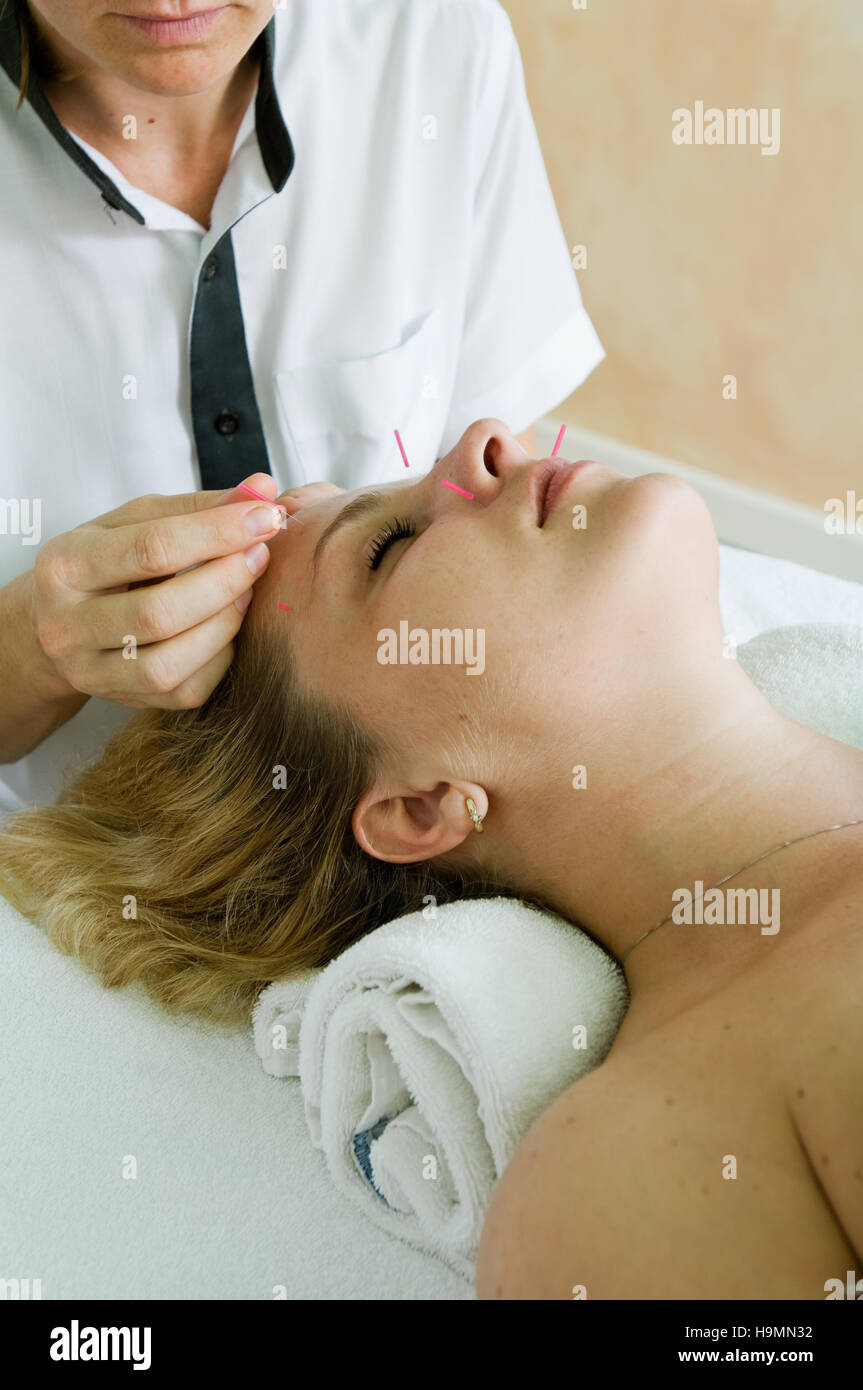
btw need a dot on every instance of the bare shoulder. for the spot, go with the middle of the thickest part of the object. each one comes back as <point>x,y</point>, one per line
<point>670,1171</point>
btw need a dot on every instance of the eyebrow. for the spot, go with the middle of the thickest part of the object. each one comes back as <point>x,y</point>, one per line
<point>354,511</point>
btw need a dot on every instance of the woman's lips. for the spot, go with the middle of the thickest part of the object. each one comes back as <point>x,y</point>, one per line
<point>550,479</point>
<point>175,31</point>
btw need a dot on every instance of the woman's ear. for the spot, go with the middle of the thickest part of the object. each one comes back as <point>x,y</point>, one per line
<point>403,825</point>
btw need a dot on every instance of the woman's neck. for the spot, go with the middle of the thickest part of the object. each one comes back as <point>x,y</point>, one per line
<point>177,138</point>
<point>715,777</point>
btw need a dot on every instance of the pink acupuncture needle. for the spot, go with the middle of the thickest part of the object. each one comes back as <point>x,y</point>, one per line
<point>402,447</point>
<point>559,438</point>
<point>272,504</point>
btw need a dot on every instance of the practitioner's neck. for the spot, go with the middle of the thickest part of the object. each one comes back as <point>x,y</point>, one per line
<point>182,130</point>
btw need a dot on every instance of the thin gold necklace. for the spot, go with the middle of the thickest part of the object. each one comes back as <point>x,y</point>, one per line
<point>775,850</point>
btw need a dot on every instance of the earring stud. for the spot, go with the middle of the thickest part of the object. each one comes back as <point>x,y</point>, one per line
<point>473,813</point>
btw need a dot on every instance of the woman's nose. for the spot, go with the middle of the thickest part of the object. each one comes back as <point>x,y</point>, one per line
<point>486,454</point>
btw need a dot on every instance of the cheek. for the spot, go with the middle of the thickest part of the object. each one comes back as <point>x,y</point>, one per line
<point>459,585</point>
<point>426,712</point>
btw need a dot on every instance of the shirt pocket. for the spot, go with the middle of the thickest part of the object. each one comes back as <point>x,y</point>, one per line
<point>340,416</point>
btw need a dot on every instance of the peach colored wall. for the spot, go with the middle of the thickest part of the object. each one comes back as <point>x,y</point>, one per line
<point>707,260</point>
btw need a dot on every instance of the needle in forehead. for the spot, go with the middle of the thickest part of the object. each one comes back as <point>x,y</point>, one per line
<point>282,509</point>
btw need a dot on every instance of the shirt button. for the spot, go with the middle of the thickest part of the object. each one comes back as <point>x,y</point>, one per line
<point>227,423</point>
<point>210,268</point>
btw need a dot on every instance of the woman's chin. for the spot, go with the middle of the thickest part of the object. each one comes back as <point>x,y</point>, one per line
<point>666,500</point>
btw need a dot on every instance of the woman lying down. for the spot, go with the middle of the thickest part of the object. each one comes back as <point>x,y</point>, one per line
<point>613,756</point>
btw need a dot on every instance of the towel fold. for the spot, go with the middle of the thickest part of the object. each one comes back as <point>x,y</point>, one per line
<point>813,672</point>
<point>276,1020</point>
<point>427,1050</point>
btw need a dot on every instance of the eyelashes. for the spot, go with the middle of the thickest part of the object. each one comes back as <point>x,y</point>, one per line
<point>395,530</point>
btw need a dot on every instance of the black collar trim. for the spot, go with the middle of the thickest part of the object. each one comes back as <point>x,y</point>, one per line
<point>277,151</point>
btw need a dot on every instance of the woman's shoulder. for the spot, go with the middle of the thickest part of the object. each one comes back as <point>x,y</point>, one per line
<point>671,1170</point>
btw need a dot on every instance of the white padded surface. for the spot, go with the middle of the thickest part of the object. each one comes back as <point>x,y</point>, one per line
<point>230,1199</point>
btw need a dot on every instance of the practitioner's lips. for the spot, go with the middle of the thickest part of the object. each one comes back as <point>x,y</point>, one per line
<point>166,30</point>
<point>548,478</point>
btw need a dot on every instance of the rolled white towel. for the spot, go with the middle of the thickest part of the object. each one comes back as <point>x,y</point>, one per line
<point>428,1049</point>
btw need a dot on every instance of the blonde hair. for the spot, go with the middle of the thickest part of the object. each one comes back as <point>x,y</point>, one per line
<point>179,860</point>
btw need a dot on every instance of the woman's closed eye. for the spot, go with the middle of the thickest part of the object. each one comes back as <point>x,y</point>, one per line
<point>397,529</point>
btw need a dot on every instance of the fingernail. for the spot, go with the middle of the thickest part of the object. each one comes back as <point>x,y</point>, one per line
<point>262,519</point>
<point>256,557</point>
<point>243,601</point>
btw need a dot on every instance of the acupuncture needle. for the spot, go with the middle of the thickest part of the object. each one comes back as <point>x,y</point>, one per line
<point>261,498</point>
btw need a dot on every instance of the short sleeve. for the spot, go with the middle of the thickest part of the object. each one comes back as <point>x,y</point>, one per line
<point>527,340</point>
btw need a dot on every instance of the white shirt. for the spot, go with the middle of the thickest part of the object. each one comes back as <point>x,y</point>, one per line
<point>399,260</point>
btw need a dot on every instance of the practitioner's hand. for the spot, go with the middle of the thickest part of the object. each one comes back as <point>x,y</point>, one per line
<point>174,573</point>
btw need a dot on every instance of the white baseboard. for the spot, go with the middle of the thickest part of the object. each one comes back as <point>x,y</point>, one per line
<point>743,516</point>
